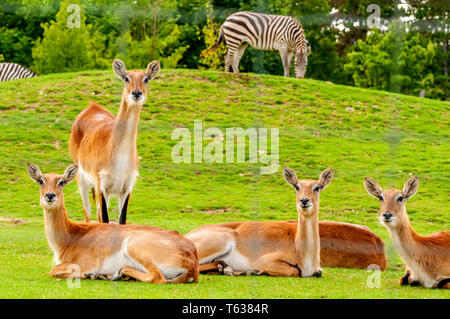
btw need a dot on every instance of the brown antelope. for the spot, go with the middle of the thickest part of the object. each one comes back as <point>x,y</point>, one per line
<point>288,248</point>
<point>104,146</point>
<point>427,258</point>
<point>110,251</point>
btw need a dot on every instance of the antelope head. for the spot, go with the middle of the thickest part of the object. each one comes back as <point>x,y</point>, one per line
<point>136,81</point>
<point>308,190</point>
<point>392,202</point>
<point>51,185</point>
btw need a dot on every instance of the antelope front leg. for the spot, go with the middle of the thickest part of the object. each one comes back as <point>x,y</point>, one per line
<point>215,267</point>
<point>318,273</point>
<point>65,271</point>
<point>444,284</point>
<point>273,265</point>
<point>404,281</point>
<point>102,208</point>
<point>408,279</point>
<point>123,207</point>
<point>84,191</point>
<point>153,274</point>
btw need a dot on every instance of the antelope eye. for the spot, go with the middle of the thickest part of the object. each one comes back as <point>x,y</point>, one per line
<point>61,183</point>
<point>127,79</point>
<point>316,189</point>
<point>41,181</point>
<point>146,80</point>
<point>400,198</point>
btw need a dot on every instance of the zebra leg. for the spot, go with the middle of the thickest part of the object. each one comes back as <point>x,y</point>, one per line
<point>289,60</point>
<point>228,61</point>
<point>237,57</point>
<point>285,59</point>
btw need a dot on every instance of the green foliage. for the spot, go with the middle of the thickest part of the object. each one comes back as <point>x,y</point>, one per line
<point>179,32</point>
<point>15,46</point>
<point>64,47</point>
<point>378,62</point>
<point>138,53</point>
<point>212,58</point>
<point>20,26</point>
<point>370,61</point>
<point>416,62</point>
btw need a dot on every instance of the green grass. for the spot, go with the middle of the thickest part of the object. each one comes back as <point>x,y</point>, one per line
<point>356,132</point>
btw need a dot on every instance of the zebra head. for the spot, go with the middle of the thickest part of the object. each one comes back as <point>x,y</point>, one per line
<point>301,61</point>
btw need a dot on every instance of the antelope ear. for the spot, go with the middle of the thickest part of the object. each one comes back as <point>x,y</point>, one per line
<point>119,69</point>
<point>373,188</point>
<point>411,187</point>
<point>325,178</point>
<point>70,173</point>
<point>290,177</point>
<point>153,69</point>
<point>34,172</point>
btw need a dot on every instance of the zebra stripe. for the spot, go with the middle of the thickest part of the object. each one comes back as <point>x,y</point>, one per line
<point>14,71</point>
<point>264,32</point>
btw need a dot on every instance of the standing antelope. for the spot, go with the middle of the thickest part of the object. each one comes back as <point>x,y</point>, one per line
<point>264,32</point>
<point>427,258</point>
<point>288,248</point>
<point>110,251</point>
<point>104,146</point>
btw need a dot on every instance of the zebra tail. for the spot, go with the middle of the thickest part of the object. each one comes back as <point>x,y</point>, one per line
<point>216,45</point>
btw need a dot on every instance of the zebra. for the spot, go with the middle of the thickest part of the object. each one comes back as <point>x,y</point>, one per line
<point>264,32</point>
<point>14,71</point>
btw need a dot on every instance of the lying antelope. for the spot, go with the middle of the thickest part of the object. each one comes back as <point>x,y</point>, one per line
<point>110,251</point>
<point>288,248</point>
<point>427,258</point>
<point>104,146</point>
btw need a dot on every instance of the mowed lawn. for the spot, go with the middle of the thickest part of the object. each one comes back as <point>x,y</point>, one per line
<point>357,132</point>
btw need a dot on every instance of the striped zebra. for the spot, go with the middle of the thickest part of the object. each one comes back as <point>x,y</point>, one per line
<point>264,32</point>
<point>14,71</point>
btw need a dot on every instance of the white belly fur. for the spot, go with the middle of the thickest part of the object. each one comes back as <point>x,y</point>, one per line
<point>85,176</point>
<point>236,260</point>
<point>115,262</point>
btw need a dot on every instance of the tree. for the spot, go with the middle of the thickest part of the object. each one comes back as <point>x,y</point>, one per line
<point>432,21</point>
<point>212,57</point>
<point>416,63</point>
<point>370,61</point>
<point>66,45</point>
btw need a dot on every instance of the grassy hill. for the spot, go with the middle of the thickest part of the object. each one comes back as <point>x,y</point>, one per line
<point>356,132</point>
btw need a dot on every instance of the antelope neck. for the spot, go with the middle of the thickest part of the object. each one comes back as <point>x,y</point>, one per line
<point>125,127</point>
<point>307,242</point>
<point>57,229</point>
